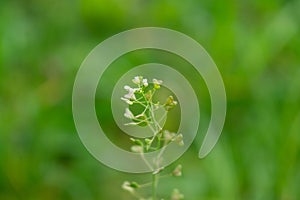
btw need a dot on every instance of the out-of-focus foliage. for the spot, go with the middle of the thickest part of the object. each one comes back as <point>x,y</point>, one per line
<point>255,44</point>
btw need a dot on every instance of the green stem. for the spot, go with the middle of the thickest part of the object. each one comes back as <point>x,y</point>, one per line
<point>146,162</point>
<point>154,185</point>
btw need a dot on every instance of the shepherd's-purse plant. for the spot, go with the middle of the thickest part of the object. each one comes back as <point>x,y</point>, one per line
<point>142,111</point>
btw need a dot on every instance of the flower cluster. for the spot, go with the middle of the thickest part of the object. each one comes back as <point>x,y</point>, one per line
<point>140,97</point>
<point>142,84</point>
<point>173,137</point>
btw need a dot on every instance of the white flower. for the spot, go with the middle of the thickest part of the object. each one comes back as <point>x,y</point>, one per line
<point>168,136</point>
<point>179,140</point>
<point>137,149</point>
<point>127,101</point>
<point>145,82</point>
<point>158,82</point>
<point>126,87</point>
<point>137,80</point>
<point>128,114</point>
<point>131,92</point>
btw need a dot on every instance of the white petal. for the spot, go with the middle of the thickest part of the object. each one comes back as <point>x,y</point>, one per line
<point>158,82</point>
<point>127,101</point>
<point>145,82</point>
<point>126,87</point>
<point>128,114</point>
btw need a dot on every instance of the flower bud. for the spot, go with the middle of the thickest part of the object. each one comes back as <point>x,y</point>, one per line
<point>177,171</point>
<point>127,101</point>
<point>179,140</point>
<point>145,82</point>
<point>176,195</point>
<point>137,80</point>
<point>157,83</point>
<point>127,187</point>
<point>137,149</point>
<point>170,103</point>
<point>168,136</point>
<point>137,141</point>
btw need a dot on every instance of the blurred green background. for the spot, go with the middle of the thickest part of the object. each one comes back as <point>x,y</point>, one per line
<point>255,44</point>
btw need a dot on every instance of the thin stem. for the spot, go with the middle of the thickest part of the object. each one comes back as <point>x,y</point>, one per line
<point>152,129</point>
<point>141,103</point>
<point>152,139</point>
<point>154,185</point>
<point>160,154</point>
<point>147,163</point>
<point>153,117</point>
<point>137,123</point>
<point>158,142</point>
<point>146,185</point>
<point>164,115</point>
<point>150,183</point>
